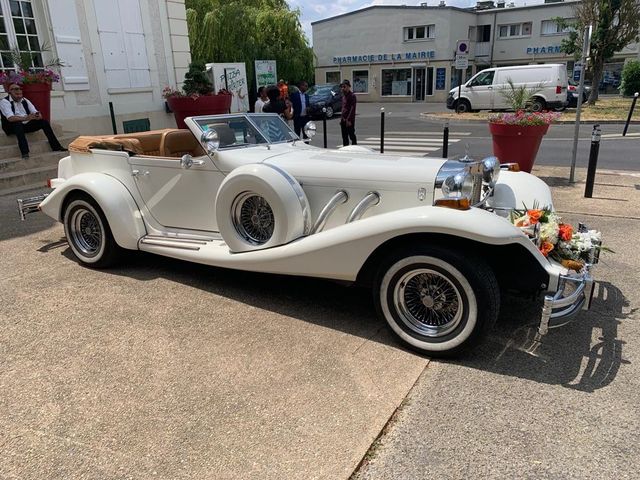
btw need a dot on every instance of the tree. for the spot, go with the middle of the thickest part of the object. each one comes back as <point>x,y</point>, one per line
<point>249,30</point>
<point>615,25</point>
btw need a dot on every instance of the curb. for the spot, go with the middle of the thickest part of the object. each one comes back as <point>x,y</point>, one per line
<point>431,116</point>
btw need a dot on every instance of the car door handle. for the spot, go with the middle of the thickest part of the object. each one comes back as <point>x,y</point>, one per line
<point>138,173</point>
<point>489,88</point>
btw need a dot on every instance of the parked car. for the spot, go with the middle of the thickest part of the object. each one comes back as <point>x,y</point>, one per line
<point>327,96</point>
<point>573,93</point>
<point>484,90</point>
<point>432,239</point>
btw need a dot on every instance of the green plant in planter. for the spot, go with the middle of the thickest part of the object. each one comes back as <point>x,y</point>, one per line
<point>196,81</point>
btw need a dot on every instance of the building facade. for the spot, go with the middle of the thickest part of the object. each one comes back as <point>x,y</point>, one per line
<point>119,51</point>
<point>406,53</point>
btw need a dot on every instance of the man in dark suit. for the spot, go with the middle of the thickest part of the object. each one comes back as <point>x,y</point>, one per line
<point>300,103</point>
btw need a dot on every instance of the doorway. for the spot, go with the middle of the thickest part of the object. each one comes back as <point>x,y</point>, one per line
<point>429,81</point>
<point>419,76</point>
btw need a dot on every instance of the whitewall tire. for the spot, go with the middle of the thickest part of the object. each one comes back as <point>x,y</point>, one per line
<point>88,233</point>
<point>436,300</point>
<point>261,206</point>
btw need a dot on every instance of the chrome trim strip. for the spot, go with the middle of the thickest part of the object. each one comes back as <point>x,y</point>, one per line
<point>169,244</point>
<point>340,197</point>
<point>369,200</point>
<point>176,239</point>
<point>302,198</point>
<point>30,205</point>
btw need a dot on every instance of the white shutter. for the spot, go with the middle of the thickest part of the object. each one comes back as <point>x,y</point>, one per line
<point>134,41</point>
<point>123,44</point>
<point>66,34</point>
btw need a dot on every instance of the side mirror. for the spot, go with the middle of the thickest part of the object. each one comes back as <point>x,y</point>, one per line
<point>211,140</point>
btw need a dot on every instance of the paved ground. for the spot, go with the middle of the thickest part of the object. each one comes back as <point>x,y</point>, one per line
<point>163,369</point>
<point>570,409</point>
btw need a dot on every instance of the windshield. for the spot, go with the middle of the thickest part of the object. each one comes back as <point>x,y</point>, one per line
<point>247,130</point>
<point>320,90</point>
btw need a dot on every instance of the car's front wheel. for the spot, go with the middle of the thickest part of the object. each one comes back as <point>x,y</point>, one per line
<point>329,111</point>
<point>88,233</point>
<point>436,300</point>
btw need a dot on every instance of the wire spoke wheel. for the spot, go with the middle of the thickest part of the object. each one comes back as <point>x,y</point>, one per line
<point>253,218</point>
<point>86,231</point>
<point>428,302</point>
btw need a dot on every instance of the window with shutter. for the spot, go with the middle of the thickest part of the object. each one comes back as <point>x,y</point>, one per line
<point>123,43</point>
<point>18,29</point>
<point>66,36</point>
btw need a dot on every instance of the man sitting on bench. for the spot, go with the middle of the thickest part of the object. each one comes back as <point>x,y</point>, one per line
<point>19,116</point>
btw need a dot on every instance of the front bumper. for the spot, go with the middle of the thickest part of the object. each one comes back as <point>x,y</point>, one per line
<point>573,295</point>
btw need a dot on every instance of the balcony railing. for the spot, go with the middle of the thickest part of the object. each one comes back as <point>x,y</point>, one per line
<point>482,49</point>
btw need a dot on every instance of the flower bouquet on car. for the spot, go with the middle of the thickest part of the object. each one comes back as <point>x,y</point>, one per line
<point>556,239</point>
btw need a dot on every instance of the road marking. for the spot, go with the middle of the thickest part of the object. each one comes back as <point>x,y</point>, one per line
<point>415,143</point>
<point>407,139</point>
<point>614,135</point>
<point>429,133</point>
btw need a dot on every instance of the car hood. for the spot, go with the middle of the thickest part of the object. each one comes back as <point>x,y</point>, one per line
<point>356,168</point>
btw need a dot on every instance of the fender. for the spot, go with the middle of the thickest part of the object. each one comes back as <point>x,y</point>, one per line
<point>117,203</point>
<point>519,189</point>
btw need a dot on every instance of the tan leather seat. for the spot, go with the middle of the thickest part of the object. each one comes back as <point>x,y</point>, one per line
<point>176,143</point>
<point>150,141</point>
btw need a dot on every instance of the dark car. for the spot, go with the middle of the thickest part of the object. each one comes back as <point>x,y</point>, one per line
<point>327,96</point>
<point>572,94</point>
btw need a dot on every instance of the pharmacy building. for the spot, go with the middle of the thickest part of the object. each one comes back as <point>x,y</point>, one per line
<point>408,53</point>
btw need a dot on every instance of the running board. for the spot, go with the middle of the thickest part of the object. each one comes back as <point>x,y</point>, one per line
<point>174,242</point>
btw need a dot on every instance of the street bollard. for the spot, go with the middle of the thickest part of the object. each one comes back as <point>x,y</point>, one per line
<point>382,130</point>
<point>633,105</point>
<point>445,141</point>
<point>324,126</point>
<point>593,161</point>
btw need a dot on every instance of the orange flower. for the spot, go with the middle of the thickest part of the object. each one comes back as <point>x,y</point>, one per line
<point>566,232</point>
<point>546,247</point>
<point>534,216</point>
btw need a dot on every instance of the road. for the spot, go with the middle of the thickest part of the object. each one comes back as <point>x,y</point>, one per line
<point>409,133</point>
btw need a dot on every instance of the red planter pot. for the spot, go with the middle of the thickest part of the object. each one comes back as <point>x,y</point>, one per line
<point>39,94</point>
<point>183,107</point>
<point>517,144</point>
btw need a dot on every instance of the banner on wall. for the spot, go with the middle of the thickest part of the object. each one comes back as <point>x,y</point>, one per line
<point>232,77</point>
<point>266,73</point>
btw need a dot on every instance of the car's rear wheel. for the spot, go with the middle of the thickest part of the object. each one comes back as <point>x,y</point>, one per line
<point>537,104</point>
<point>88,233</point>
<point>436,300</point>
<point>329,112</point>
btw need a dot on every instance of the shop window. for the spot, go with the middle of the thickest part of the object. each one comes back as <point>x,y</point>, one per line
<point>550,27</point>
<point>421,32</point>
<point>515,30</point>
<point>18,29</point>
<point>396,81</point>
<point>360,81</point>
<point>332,77</point>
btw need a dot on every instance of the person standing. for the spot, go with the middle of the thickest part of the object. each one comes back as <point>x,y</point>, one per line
<point>276,105</point>
<point>348,117</point>
<point>300,102</point>
<point>262,100</point>
<point>19,117</point>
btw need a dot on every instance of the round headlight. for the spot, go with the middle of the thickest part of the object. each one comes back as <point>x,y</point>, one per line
<point>310,129</point>
<point>490,171</point>
<point>211,139</point>
<point>458,185</point>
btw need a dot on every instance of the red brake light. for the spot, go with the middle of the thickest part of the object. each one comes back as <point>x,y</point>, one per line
<point>559,89</point>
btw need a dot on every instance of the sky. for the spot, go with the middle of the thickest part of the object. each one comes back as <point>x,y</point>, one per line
<point>313,10</point>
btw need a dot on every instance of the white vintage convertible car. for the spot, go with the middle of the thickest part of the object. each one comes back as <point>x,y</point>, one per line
<point>429,236</point>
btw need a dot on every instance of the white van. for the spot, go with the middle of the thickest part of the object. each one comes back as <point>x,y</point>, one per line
<point>483,91</point>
